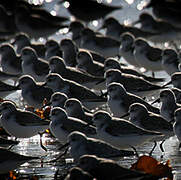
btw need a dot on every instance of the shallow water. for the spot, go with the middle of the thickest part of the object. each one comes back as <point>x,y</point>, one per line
<point>45,170</point>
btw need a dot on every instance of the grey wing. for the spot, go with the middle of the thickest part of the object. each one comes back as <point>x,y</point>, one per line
<point>123,128</point>
<point>157,123</point>
<point>29,119</point>
<point>106,42</point>
<point>101,149</point>
<point>71,126</point>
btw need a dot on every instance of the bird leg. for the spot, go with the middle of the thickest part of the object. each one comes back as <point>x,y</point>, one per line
<point>161,146</point>
<point>41,144</point>
<point>150,153</point>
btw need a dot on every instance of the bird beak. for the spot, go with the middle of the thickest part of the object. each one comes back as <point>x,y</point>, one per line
<point>64,146</point>
<point>44,84</point>
<point>102,27</point>
<point>101,81</point>
<point>127,114</point>
<point>156,101</point>
<point>168,83</point>
<point>47,104</point>
<point>136,22</point>
<point>14,42</point>
<point>18,87</point>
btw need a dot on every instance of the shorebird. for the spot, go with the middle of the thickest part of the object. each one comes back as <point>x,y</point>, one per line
<point>57,65</point>
<point>133,84</point>
<point>62,125</point>
<point>74,108</point>
<point>106,169</point>
<point>147,56</point>
<point>19,123</point>
<point>170,61</point>
<point>120,132</point>
<point>106,46</point>
<point>86,63</point>
<point>10,62</point>
<point>22,40</point>
<point>32,65</point>
<point>119,100</point>
<point>112,63</point>
<point>80,145</point>
<point>74,90</point>
<point>32,92</point>
<point>84,12</point>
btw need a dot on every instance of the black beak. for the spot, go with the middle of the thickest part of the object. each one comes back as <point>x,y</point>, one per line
<point>102,27</point>
<point>18,87</point>
<point>101,81</point>
<point>168,83</point>
<point>47,104</point>
<point>44,84</point>
<point>156,101</point>
<point>64,146</point>
<point>127,114</point>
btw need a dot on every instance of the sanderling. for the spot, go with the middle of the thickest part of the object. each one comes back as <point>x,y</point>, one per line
<point>168,11</point>
<point>168,104</point>
<point>119,132</point>
<point>162,29</point>
<point>119,100</point>
<point>170,61</point>
<point>61,125</point>
<point>22,40</point>
<point>106,169</point>
<point>85,11</point>
<point>79,174</point>
<point>52,49</point>
<point>127,48</point>
<point>147,56</point>
<point>115,29</point>
<point>57,65</point>
<point>86,63</point>
<point>177,125</point>
<point>74,108</point>
<point>32,65</point>
<point>33,93</point>
<point>69,52</point>
<point>106,46</point>
<point>140,116</point>
<point>141,87</point>
<point>112,28</point>
<point>75,28</point>
<point>10,160</point>
<point>80,145</point>
<point>149,24</point>
<point>10,62</point>
<point>74,90</point>
<point>112,63</point>
<point>41,26</point>
<point>19,123</point>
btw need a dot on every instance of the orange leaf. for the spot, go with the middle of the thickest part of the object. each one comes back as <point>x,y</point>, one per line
<point>150,165</point>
